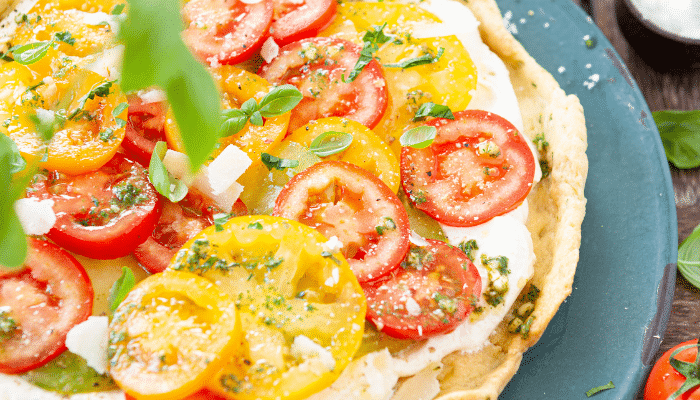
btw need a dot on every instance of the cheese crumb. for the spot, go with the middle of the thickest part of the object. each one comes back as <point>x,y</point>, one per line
<point>304,348</point>
<point>412,307</point>
<point>226,168</point>
<point>269,50</point>
<point>36,217</point>
<point>89,340</point>
<point>333,245</point>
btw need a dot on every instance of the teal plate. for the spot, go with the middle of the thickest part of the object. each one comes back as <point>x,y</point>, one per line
<point>610,327</point>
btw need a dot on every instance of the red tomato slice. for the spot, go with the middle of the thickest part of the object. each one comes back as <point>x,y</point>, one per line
<point>343,200</point>
<point>39,304</point>
<point>318,67</point>
<point>178,223</point>
<point>664,380</point>
<point>103,214</point>
<point>144,128</point>
<point>479,166</point>
<point>226,31</point>
<point>433,291</point>
<point>294,20</point>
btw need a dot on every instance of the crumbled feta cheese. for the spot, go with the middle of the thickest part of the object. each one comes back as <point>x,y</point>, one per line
<point>36,217</point>
<point>334,278</point>
<point>412,307</point>
<point>269,50</point>
<point>226,168</point>
<point>304,348</point>
<point>333,245</point>
<point>89,340</point>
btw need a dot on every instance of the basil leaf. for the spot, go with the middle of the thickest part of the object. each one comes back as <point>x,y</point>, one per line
<point>281,164</point>
<point>47,122</point>
<point>280,100</point>
<point>14,243</point>
<point>249,107</point>
<point>119,109</point>
<point>161,179</point>
<point>234,121</point>
<point>330,142</point>
<point>16,161</point>
<point>680,135</point>
<point>433,110</point>
<point>419,137</point>
<point>155,55</point>
<point>599,389</point>
<point>256,119</point>
<point>100,89</point>
<point>69,374</point>
<point>689,258</point>
<point>32,52</point>
<point>371,41</point>
<point>118,9</point>
<point>64,37</point>
<point>121,288</point>
<point>414,62</point>
<point>220,219</point>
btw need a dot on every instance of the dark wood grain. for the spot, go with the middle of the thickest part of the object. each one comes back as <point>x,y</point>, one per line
<point>664,90</point>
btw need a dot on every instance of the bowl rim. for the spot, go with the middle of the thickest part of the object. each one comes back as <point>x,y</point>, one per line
<point>657,29</point>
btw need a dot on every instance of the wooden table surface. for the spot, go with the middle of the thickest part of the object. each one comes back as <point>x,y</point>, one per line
<point>664,90</point>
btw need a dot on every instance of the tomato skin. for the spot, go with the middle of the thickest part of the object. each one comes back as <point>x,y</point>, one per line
<point>445,270</point>
<point>104,233</point>
<point>318,67</point>
<point>457,181</point>
<point>340,199</point>
<point>178,223</point>
<point>56,289</point>
<point>144,128</point>
<point>228,31</point>
<point>293,21</point>
<point>664,380</point>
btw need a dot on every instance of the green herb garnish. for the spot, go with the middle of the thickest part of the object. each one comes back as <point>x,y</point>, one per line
<point>680,135</point>
<point>433,110</point>
<point>371,41</point>
<point>419,137</point>
<point>689,258</point>
<point>599,389</point>
<point>427,58</point>
<point>278,101</point>
<point>329,143</point>
<point>161,179</point>
<point>281,164</point>
<point>121,288</point>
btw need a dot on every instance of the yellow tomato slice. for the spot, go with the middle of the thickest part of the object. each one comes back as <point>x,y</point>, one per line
<point>88,131</point>
<point>447,81</point>
<point>238,86</point>
<point>88,38</point>
<point>171,333</point>
<point>301,307</point>
<point>90,6</point>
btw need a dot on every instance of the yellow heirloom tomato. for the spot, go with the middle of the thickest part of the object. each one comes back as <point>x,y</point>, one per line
<point>170,334</point>
<point>301,307</point>
<point>77,36</point>
<point>91,6</point>
<point>447,81</point>
<point>88,113</point>
<point>237,86</point>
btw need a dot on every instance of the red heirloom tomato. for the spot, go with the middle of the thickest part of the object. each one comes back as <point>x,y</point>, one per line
<point>144,128</point>
<point>665,380</point>
<point>178,223</point>
<point>226,31</point>
<point>433,291</point>
<point>319,67</point>
<point>341,199</point>
<point>39,303</point>
<point>479,166</point>
<point>103,214</point>
<point>294,20</point>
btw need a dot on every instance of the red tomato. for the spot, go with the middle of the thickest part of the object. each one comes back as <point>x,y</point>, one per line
<point>479,166</point>
<point>433,291</point>
<point>664,380</point>
<point>226,31</point>
<point>145,127</point>
<point>178,223</point>
<point>294,20</point>
<point>39,304</point>
<point>343,200</point>
<point>103,214</point>
<point>318,67</point>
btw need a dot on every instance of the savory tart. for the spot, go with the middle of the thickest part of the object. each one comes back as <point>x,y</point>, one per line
<point>365,269</point>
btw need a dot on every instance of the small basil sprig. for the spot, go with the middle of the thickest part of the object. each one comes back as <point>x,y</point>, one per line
<point>121,288</point>
<point>689,258</point>
<point>278,163</point>
<point>278,101</point>
<point>32,52</point>
<point>419,137</point>
<point>416,61</point>
<point>329,143</point>
<point>433,110</point>
<point>161,179</point>
<point>100,89</point>
<point>680,135</point>
<point>370,44</point>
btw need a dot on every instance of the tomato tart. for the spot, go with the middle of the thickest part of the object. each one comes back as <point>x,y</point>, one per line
<point>381,218</point>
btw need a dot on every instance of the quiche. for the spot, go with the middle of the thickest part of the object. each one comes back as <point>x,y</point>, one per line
<point>262,305</point>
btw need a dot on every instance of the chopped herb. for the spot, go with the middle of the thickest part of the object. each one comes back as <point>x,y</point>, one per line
<point>64,37</point>
<point>100,89</point>
<point>468,248</point>
<point>546,169</point>
<point>255,225</point>
<point>8,325</point>
<point>427,58</point>
<point>387,224</point>
<point>541,142</point>
<point>281,164</point>
<point>599,389</point>
<point>416,258</point>
<point>431,109</point>
<point>220,219</point>
<point>371,41</point>
<point>446,303</point>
